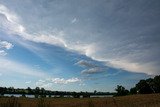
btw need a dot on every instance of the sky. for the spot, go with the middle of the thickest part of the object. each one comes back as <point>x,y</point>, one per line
<point>78,45</point>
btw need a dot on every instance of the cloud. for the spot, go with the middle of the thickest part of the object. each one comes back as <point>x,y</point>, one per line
<point>2,53</point>
<point>92,70</point>
<point>51,81</point>
<point>28,82</point>
<point>6,45</point>
<point>10,23</point>
<point>113,32</point>
<point>65,81</point>
<point>90,67</point>
<point>84,63</point>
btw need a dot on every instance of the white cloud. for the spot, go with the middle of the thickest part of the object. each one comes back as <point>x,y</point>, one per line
<point>9,21</point>
<point>48,82</point>
<point>28,82</point>
<point>5,45</point>
<point>11,24</point>
<point>57,81</point>
<point>2,53</point>
<point>92,70</point>
<point>65,81</point>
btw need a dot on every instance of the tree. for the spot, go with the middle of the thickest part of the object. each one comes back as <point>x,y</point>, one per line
<point>157,83</point>
<point>121,91</point>
<point>37,90</point>
<point>133,90</point>
<point>2,91</point>
<point>29,90</point>
<point>143,87</point>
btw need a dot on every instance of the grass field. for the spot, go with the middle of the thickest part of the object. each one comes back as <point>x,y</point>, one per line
<point>150,100</point>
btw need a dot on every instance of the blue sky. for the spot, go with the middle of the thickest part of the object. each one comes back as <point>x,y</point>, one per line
<point>78,45</point>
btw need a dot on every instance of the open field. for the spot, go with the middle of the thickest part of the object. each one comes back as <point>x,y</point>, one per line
<point>150,100</point>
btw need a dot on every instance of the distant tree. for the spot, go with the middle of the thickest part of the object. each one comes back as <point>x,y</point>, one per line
<point>2,91</point>
<point>95,91</point>
<point>29,90</point>
<point>37,90</point>
<point>121,91</point>
<point>76,95</point>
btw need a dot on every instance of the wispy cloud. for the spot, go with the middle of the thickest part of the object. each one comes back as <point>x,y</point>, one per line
<point>113,35</point>
<point>90,67</point>
<point>92,70</point>
<point>85,63</point>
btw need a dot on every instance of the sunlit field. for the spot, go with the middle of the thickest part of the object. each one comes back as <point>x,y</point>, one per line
<point>150,100</point>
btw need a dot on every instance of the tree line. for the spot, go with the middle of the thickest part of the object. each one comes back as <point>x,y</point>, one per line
<point>42,93</point>
<point>145,86</point>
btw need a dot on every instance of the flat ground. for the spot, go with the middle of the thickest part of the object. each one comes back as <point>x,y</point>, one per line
<point>150,100</point>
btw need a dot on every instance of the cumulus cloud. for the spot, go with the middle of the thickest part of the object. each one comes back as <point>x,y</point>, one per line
<point>113,32</point>
<point>65,81</point>
<point>50,81</point>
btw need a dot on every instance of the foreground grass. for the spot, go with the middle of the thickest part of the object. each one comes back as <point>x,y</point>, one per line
<point>150,100</point>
